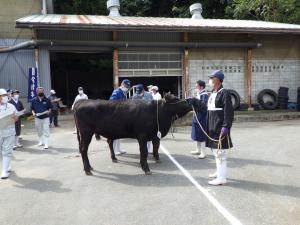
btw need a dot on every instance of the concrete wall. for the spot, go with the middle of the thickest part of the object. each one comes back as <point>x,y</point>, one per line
<point>231,61</point>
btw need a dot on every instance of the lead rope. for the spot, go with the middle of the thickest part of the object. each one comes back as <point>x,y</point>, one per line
<point>158,129</point>
<point>219,141</point>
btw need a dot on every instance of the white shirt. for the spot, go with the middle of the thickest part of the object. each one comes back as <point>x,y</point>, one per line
<point>156,96</point>
<point>5,110</point>
<point>79,97</point>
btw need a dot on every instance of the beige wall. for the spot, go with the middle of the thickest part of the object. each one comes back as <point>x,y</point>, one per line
<point>277,47</point>
<point>10,11</point>
<point>275,64</point>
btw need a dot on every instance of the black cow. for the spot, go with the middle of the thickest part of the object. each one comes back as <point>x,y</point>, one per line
<point>119,119</point>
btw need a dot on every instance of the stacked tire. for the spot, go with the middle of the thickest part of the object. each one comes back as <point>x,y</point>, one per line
<point>283,98</point>
<point>235,99</point>
<point>298,99</point>
<point>268,99</point>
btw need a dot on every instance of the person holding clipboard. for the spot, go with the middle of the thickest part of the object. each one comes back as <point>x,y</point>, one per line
<point>8,117</point>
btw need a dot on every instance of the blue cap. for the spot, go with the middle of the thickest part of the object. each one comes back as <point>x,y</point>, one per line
<point>126,82</point>
<point>217,74</point>
<point>139,88</point>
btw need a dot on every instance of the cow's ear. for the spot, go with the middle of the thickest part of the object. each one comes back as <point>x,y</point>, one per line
<point>168,97</point>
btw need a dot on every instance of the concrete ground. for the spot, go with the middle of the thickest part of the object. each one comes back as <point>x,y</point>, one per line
<point>50,187</point>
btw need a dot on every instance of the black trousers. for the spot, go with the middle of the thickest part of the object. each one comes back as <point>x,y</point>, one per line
<point>53,117</point>
<point>18,127</point>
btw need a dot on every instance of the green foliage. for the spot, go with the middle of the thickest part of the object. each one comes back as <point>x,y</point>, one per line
<point>267,10</point>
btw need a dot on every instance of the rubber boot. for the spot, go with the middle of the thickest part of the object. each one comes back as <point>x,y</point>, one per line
<point>197,151</point>
<point>45,143</point>
<point>202,151</point>
<point>221,172</point>
<point>5,167</point>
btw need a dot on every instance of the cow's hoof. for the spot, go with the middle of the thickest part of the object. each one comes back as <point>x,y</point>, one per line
<point>114,160</point>
<point>148,173</point>
<point>88,173</point>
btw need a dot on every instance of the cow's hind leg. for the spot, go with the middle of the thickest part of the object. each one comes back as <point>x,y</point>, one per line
<point>111,148</point>
<point>143,156</point>
<point>156,144</point>
<point>84,145</point>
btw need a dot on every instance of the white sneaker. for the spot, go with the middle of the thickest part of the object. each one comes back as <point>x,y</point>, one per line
<point>122,151</point>
<point>46,147</point>
<point>19,145</point>
<point>118,153</point>
<point>195,152</point>
<point>212,175</point>
<point>217,182</point>
<point>75,132</point>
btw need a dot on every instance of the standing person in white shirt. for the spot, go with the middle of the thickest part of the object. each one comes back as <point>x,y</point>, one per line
<point>155,93</point>
<point>7,133</point>
<point>80,96</point>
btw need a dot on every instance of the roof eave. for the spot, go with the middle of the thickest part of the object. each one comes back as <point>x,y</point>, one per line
<point>156,28</point>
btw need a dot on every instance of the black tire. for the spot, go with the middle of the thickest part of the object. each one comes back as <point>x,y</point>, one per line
<point>236,99</point>
<point>269,105</point>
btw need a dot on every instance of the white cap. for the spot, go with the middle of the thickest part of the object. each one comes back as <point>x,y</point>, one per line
<point>3,91</point>
<point>52,92</point>
<point>154,88</point>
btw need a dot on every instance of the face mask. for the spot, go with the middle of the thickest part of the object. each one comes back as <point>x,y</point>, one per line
<point>80,92</point>
<point>211,83</point>
<point>41,94</point>
<point>124,89</point>
<point>16,97</point>
<point>4,99</point>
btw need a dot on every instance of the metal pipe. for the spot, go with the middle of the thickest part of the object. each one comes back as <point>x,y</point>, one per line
<point>23,45</point>
<point>124,44</point>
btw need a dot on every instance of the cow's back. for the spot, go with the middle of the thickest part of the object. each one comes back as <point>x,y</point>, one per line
<point>116,119</point>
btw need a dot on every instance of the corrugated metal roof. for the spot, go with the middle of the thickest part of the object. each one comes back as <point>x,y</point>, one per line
<point>153,23</point>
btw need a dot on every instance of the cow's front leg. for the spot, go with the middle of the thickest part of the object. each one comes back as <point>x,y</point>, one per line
<point>156,144</point>
<point>144,155</point>
<point>111,148</point>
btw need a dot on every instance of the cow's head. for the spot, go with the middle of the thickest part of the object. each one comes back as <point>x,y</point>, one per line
<point>176,106</point>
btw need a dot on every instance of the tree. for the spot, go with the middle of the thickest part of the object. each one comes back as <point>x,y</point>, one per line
<point>154,8</point>
<point>287,11</point>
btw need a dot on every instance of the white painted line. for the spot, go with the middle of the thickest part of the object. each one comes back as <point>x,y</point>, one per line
<point>214,201</point>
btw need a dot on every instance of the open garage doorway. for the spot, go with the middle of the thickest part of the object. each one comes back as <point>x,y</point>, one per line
<point>165,84</point>
<point>92,71</point>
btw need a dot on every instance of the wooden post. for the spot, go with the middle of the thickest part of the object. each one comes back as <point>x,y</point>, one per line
<point>185,65</point>
<point>249,77</point>
<point>115,62</point>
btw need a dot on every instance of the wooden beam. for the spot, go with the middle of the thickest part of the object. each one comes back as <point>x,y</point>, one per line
<point>115,62</point>
<point>249,76</point>
<point>185,67</point>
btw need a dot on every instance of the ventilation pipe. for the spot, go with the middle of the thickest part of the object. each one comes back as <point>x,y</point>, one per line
<point>44,7</point>
<point>196,11</point>
<point>113,6</point>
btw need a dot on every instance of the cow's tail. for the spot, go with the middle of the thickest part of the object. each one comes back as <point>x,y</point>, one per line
<point>77,130</point>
